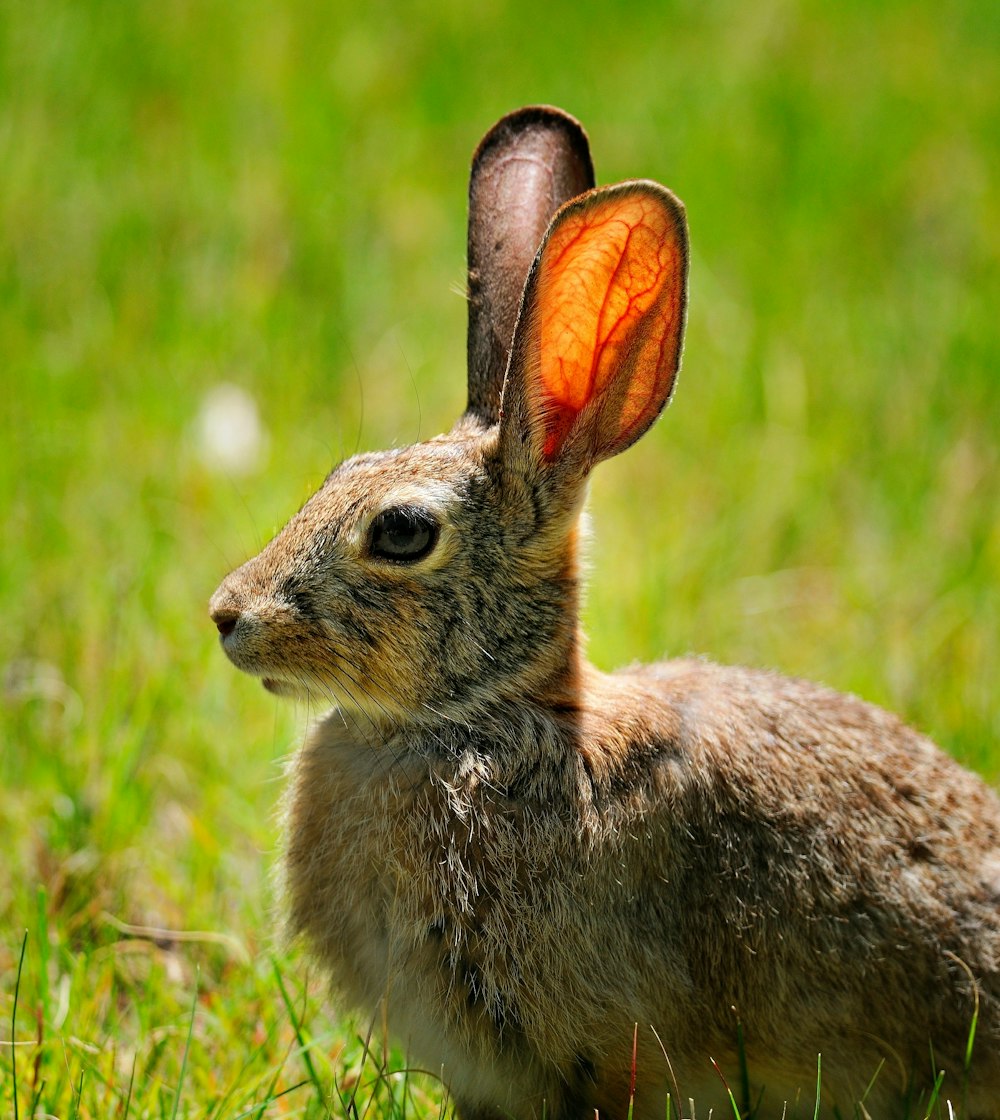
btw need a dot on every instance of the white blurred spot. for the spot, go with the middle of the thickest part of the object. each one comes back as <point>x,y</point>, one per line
<point>229,435</point>
<point>28,681</point>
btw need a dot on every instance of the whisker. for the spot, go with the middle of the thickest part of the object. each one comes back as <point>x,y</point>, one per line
<point>342,673</point>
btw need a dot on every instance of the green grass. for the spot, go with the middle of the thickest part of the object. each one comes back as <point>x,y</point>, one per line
<point>274,196</point>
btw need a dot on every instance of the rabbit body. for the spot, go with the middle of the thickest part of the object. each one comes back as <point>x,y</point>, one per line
<point>569,889</point>
<point>690,845</point>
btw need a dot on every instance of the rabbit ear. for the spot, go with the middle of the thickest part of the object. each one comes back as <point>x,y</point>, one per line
<point>598,341</point>
<point>525,168</point>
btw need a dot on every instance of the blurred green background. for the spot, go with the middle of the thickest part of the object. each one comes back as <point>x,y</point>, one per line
<point>273,197</point>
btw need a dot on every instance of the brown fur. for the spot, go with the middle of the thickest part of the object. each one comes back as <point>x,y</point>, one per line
<point>535,867</point>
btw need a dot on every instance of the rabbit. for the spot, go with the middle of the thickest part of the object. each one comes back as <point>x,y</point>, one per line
<point>568,892</point>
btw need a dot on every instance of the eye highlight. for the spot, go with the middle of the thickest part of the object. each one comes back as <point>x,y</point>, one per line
<point>403,534</point>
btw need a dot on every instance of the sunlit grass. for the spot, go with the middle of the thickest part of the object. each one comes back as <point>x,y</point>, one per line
<point>274,197</point>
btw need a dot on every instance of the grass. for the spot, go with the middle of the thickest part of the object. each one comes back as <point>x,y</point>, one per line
<point>274,197</point>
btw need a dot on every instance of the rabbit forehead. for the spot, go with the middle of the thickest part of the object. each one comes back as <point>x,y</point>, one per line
<point>434,476</point>
<point>429,474</point>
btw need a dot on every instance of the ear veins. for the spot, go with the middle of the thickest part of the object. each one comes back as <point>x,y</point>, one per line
<point>610,291</point>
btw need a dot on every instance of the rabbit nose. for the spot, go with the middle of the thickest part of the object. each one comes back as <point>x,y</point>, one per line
<point>225,618</point>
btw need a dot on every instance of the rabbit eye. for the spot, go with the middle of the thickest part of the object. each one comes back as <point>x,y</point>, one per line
<point>404,534</point>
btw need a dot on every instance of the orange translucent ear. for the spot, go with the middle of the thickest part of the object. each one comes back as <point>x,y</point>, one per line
<point>604,318</point>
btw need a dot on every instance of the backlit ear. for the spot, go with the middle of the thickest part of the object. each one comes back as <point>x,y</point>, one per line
<point>598,339</point>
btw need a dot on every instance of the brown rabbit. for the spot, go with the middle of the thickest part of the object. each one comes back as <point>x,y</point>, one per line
<point>572,890</point>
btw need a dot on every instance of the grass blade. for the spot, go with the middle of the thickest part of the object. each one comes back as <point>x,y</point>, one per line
<point>258,1109</point>
<point>729,1093</point>
<point>187,1048</point>
<point>79,1095</point>
<point>128,1096</point>
<point>631,1087</point>
<point>13,1021</point>
<point>819,1084</point>
<point>741,1052</point>
<point>935,1093</point>
<point>300,1037</point>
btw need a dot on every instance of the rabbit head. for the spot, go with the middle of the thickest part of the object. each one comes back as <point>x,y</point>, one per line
<point>432,580</point>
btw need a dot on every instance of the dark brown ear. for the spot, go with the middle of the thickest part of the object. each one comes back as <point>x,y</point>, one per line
<point>525,168</point>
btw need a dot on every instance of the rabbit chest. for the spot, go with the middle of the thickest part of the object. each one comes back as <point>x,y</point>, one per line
<point>478,909</point>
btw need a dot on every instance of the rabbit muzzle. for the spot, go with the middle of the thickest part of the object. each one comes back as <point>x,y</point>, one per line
<point>253,625</point>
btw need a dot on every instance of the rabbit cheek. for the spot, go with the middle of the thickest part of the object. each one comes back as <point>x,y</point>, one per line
<point>380,657</point>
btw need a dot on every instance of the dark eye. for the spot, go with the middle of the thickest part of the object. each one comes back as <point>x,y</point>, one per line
<point>404,534</point>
